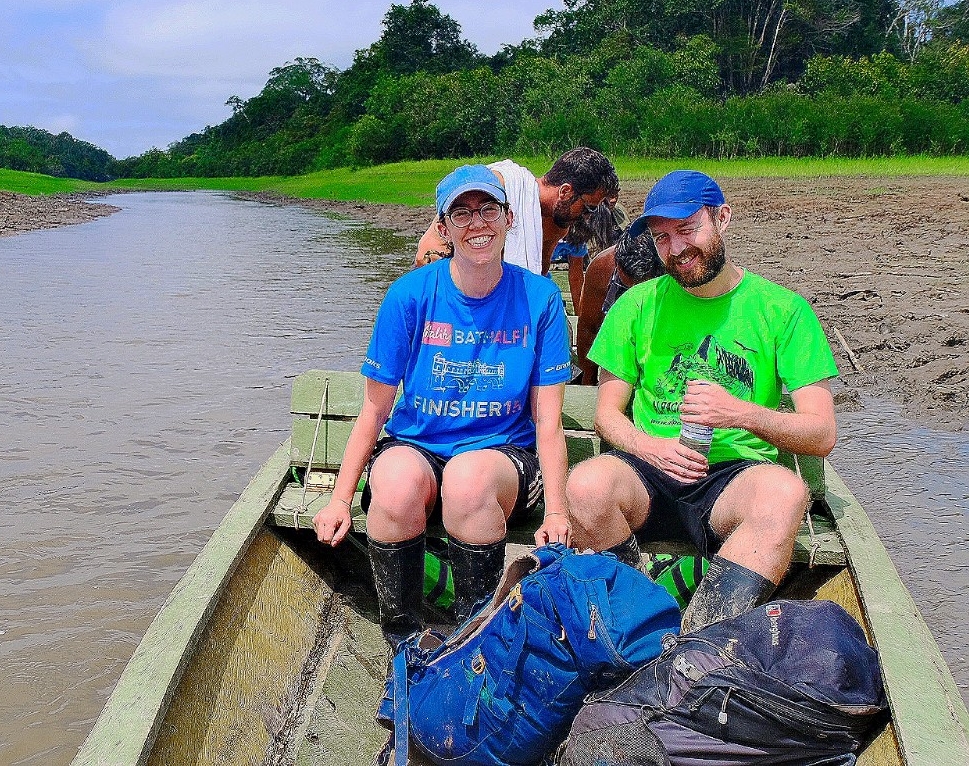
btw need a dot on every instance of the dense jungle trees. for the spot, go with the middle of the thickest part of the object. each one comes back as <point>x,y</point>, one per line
<point>718,78</point>
<point>38,151</point>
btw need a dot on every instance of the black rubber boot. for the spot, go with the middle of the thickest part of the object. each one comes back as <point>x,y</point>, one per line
<point>628,552</point>
<point>477,570</point>
<point>398,574</point>
<point>728,589</point>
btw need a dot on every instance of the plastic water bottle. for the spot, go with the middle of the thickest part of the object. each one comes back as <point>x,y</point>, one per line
<point>697,436</point>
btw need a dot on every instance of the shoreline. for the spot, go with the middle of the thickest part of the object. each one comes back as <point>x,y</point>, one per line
<point>883,261</point>
<point>22,213</point>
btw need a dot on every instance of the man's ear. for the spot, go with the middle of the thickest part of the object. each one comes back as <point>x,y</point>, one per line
<point>566,191</point>
<point>723,217</point>
<point>442,231</point>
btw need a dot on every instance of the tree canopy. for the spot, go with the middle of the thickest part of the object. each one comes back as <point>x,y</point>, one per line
<point>652,77</point>
<point>38,151</point>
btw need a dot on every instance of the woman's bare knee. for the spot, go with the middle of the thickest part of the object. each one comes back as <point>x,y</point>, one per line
<point>479,479</point>
<point>401,485</point>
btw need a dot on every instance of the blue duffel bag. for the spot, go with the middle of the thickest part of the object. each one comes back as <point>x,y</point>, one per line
<point>505,686</point>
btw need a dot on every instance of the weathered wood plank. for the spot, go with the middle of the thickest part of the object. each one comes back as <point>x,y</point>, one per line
<point>883,750</point>
<point>293,498</point>
<point>579,408</point>
<point>345,397</point>
<point>342,731</point>
<point>129,722</point>
<point>344,393</point>
<point>331,440</point>
<point>931,720</point>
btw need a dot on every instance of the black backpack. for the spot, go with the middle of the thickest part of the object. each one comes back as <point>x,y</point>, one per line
<point>790,682</point>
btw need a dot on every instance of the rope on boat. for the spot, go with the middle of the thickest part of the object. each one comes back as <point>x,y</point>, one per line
<point>309,463</point>
<point>815,543</point>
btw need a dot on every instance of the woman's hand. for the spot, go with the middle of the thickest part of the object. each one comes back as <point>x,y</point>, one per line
<point>333,522</point>
<point>555,529</point>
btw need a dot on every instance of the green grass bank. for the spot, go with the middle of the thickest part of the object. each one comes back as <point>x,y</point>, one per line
<point>412,183</point>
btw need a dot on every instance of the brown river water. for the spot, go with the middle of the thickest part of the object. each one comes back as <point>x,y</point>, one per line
<point>147,359</point>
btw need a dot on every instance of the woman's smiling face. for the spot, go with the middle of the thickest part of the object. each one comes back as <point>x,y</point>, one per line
<point>480,240</point>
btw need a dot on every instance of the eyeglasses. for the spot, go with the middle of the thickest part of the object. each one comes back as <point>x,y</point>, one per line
<point>489,212</point>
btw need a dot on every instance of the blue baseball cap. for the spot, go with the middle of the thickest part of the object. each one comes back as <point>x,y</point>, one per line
<point>678,195</point>
<point>468,178</point>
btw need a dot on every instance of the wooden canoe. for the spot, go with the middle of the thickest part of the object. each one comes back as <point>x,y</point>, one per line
<point>268,651</point>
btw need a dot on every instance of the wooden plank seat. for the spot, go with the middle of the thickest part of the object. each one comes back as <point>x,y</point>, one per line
<point>325,403</point>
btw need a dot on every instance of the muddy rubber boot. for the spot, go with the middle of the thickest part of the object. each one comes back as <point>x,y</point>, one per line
<point>477,570</point>
<point>728,589</point>
<point>628,552</point>
<point>398,574</point>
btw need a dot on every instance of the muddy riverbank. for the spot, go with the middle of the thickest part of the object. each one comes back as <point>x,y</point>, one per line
<point>884,261</point>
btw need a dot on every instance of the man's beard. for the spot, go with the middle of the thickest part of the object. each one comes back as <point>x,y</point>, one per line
<point>710,264</point>
<point>562,214</point>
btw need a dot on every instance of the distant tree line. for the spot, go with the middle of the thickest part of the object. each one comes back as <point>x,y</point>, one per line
<point>38,151</point>
<point>718,78</point>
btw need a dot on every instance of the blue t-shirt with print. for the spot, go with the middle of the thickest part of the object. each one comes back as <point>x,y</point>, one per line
<point>468,364</point>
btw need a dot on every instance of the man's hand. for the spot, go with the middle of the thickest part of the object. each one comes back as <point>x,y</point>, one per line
<point>674,459</point>
<point>429,256</point>
<point>612,423</point>
<point>709,404</point>
<point>431,247</point>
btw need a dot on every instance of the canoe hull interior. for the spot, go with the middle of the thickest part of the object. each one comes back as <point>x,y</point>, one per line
<point>240,700</point>
<point>291,666</point>
<point>268,650</point>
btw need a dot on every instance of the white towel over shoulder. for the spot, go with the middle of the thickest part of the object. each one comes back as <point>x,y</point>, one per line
<point>523,245</point>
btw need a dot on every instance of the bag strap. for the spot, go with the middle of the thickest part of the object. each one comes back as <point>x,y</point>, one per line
<point>399,738</point>
<point>498,686</point>
<point>401,709</point>
<point>549,554</point>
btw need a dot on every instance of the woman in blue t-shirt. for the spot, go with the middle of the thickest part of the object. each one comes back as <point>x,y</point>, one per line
<point>479,349</point>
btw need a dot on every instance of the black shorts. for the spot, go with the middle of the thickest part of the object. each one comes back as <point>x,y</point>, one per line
<point>680,511</point>
<point>524,460</point>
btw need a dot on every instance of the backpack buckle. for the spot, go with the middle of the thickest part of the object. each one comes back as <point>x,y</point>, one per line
<point>515,597</point>
<point>478,664</point>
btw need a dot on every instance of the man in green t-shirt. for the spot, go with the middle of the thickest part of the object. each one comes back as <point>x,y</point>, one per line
<point>707,344</point>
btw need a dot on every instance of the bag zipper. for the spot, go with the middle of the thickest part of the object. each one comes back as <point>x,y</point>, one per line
<point>722,718</point>
<point>808,720</point>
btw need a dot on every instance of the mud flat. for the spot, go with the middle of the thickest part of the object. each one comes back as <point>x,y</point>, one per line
<point>20,213</point>
<point>884,262</point>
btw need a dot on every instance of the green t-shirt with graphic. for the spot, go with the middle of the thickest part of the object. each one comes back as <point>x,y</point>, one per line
<point>755,340</point>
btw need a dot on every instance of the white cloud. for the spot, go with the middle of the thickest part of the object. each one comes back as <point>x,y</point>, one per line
<point>131,74</point>
<point>227,40</point>
<point>60,123</point>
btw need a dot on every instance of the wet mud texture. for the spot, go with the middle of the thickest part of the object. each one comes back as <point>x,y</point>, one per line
<point>21,213</point>
<point>884,262</point>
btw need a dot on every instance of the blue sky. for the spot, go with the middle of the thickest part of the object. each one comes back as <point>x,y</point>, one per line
<point>129,75</point>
